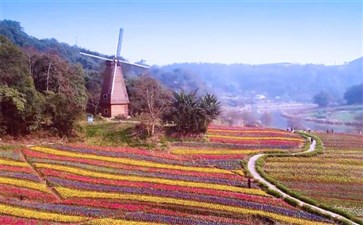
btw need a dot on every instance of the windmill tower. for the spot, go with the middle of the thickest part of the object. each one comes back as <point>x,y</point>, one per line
<point>114,100</point>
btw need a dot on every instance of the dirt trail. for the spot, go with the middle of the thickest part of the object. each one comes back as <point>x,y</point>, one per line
<point>252,168</point>
<point>41,178</point>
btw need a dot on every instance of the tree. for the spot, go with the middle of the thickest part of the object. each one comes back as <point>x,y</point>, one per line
<point>12,105</point>
<point>354,95</point>
<point>62,112</point>
<point>192,114</point>
<point>322,99</point>
<point>210,107</point>
<point>62,85</point>
<point>16,86</point>
<point>148,101</point>
<point>94,86</point>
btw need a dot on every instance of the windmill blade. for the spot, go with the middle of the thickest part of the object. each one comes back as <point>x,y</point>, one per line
<point>95,56</point>
<point>134,64</point>
<point>119,43</point>
<point>113,78</point>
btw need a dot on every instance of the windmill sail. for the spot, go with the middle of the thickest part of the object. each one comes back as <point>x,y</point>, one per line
<point>119,43</point>
<point>95,56</point>
<point>117,57</point>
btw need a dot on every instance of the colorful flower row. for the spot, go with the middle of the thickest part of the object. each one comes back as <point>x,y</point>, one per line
<point>208,159</point>
<point>107,221</point>
<point>4,167</point>
<point>129,161</point>
<point>95,174</point>
<point>24,184</point>
<point>178,195</point>
<point>73,193</point>
<point>100,149</point>
<point>181,189</point>
<point>170,176</point>
<point>20,175</point>
<point>222,127</point>
<point>119,168</point>
<point>168,219</point>
<point>184,151</point>
<point>120,154</point>
<point>11,220</point>
<point>7,162</point>
<point>65,209</point>
<point>257,138</point>
<point>25,193</point>
<point>283,144</point>
<point>22,212</point>
<point>252,133</point>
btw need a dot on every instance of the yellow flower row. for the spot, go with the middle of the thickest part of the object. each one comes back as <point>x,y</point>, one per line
<point>8,162</point>
<point>256,138</point>
<point>129,161</point>
<point>71,193</point>
<point>213,152</point>
<point>108,221</point>
<point>239,172</point>
<point>39,215</point>
<point>247,131</point>
<point>24,183</point>
<point>134,178</point>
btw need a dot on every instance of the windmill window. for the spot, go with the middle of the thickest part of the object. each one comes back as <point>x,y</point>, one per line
<point>105,96</point>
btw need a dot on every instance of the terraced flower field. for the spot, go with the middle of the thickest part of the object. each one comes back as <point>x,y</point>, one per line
<point>100,185</point>
<point>334,178</point>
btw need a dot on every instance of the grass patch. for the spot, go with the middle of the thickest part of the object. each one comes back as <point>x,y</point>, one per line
<point>104,133</point>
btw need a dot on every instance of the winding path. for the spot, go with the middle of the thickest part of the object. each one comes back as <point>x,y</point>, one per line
<point>252,168</point>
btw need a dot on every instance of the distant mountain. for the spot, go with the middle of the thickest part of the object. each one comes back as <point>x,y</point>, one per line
<point>283,81</point>
<point>233,83</point>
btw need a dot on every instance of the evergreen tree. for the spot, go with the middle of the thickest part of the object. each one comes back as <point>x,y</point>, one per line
<point>192,114</point>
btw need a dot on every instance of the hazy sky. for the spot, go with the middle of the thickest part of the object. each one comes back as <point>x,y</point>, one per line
<point>230,31</point>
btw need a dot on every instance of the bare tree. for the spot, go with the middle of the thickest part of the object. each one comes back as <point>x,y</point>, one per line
<point>148,101</point>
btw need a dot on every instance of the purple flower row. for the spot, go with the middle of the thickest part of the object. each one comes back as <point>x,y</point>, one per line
<point>19,175</point>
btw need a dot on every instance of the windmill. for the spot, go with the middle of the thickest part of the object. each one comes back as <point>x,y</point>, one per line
<point>114,100</point>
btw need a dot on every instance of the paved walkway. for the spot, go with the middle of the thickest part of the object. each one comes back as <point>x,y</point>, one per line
<point>252,168</point>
